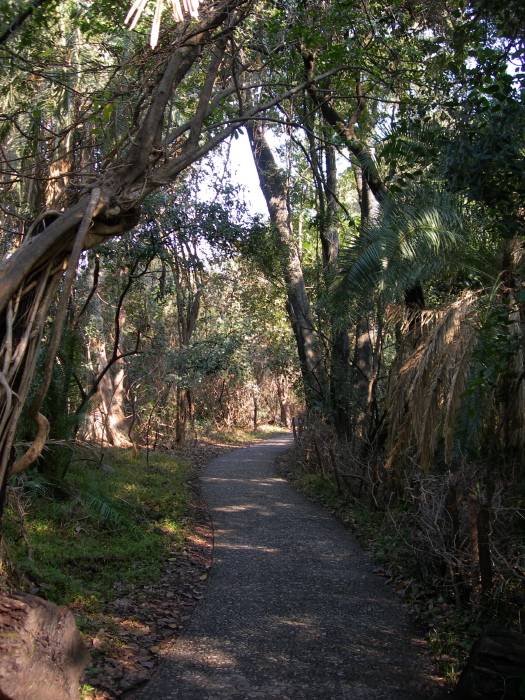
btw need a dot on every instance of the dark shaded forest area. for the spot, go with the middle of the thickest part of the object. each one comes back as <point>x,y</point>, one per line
<point>379,307</point>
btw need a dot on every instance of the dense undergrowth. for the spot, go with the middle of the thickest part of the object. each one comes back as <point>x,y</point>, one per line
<point>408,536</point>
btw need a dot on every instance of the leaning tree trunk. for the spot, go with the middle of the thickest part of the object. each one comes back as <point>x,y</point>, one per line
<point>298,305</point>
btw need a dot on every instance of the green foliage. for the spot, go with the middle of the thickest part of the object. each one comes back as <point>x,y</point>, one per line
<point>509,18</point>
<point>484,156</point>
<point>118,522</point>
<point>106,509</point>
<point>422,236</point>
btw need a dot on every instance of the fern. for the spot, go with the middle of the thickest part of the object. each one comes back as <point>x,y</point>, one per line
<point>105,508</point>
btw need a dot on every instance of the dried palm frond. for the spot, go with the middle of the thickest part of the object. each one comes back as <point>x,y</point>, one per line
<point>426,389</point>
<point>189,6</point>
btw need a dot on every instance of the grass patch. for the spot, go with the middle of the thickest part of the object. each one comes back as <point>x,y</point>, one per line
<point>117,521</point>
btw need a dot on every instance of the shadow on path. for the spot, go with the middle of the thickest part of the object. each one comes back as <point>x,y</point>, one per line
<point>292,609</point>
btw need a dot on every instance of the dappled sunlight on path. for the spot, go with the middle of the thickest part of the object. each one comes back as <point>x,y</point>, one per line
<point>292,609</point>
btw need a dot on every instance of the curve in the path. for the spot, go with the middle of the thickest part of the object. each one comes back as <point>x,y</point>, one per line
<point>292,610</point>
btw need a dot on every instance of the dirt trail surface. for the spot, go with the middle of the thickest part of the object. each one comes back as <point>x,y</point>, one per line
<point>292,610</point>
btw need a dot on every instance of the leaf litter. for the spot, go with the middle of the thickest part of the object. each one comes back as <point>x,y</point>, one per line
<point>142,622</point>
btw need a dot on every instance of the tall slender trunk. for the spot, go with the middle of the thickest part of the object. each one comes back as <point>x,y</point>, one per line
<point>298,303</point>
<point>282,393</point>
<point>182,416</point>
<point>106,419</point>
<point>364,350</point>
<point>340,356</point>
<point>189,295</point>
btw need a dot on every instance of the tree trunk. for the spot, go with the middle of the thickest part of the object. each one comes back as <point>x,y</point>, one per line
<point>283,400</point>
<point>106,419</point>
<point>298,304</point>
<point>182,417</point>
<point>255,410</point>
<point>340,356</point>
<point>364,350</point>
<point>330,228</point>
<point>42,655</point>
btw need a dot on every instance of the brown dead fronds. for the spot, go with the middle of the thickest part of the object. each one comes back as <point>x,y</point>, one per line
<point>427,381</point>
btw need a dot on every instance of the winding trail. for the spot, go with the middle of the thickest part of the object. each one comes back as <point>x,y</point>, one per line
<point>292,610</point>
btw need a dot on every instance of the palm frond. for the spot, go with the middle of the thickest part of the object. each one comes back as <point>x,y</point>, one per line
<point>427,386</point>
<point>414,239</point>
<point>105,508</point>
<point>138,7</point>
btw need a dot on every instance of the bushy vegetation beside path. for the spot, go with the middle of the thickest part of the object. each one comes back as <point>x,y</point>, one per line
<point>407,536</point>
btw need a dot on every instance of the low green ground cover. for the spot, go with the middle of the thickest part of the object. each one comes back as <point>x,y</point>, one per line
<point>115,518</point>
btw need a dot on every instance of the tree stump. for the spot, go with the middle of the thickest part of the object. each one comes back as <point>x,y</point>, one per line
<point>496,667</point>
<point>42,656</point>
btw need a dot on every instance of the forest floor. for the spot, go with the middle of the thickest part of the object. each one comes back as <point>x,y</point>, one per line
<point>125,541</point>
<point>143,622</point>
<point>135,619</point>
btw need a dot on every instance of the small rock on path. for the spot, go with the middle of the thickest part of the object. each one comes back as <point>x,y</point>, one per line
<point>292,610</point>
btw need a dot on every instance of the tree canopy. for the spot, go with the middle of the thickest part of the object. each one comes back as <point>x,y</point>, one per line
<point>388,142</point>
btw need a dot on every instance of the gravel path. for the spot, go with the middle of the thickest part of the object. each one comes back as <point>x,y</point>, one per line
<point>292,610</point>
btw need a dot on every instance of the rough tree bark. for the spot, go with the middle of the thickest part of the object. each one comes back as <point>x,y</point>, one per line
<point>298,305</point>
<point>41,652</point>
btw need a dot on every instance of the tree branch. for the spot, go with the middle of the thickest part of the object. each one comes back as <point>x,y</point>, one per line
<point>347,131</point>
<point>19,21</point>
